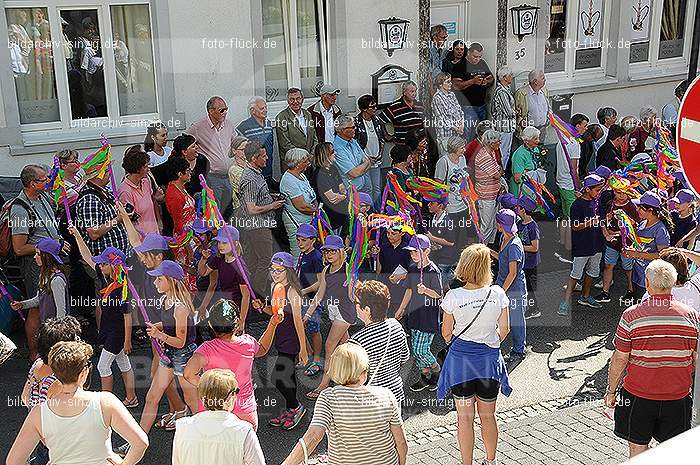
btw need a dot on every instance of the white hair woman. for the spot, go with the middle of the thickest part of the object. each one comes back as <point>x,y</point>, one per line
<point>642,135</point>
<point>525,158</point>
<point>503,111</point>
<point>216,436</point>
<point>353,413</point>
<point>475,323</point>
<point>450,169</point>
<point>448,117</point>
<point>300,198</point>
<point>488,174</point>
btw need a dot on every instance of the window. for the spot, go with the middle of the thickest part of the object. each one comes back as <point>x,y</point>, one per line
<point>659,30</point>
<point>294,46</point>
<point>81,63</point>
<point>577,36</point>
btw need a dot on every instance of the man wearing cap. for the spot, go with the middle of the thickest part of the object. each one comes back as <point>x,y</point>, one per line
<point>294,127</point>
<point>353,165</point>
<point>324,113</point>
<point>586,243</point>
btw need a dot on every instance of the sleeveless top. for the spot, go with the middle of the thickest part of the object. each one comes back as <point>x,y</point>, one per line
<point>286,340</point>
<point>47,305</point>
<point>337,294</point>
<point>83,439</point>
<point>167,317</point>
<point>38,388</point>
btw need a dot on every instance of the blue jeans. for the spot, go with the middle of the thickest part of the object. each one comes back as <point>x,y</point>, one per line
<point>518,303</point>
<point>223,191</point>
<point>472,117</point>
<point>375,175</point>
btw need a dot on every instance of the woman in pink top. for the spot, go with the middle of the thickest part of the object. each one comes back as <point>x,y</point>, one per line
<point>235,353</point>
<point>137,191</point>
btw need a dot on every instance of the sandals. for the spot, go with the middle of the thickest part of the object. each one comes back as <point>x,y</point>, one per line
<point>170,426</point>
<point>313,395</point>
<point>164,420</point>
<point>313,369</point>
<point>131,403</point>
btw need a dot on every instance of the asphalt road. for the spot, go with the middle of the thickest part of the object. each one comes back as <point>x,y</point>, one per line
<point>567,357</point>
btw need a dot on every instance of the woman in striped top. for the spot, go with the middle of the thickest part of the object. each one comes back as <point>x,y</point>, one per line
<point>448,117</point>
<point>383,338</point>
<point>487,183</point>
<point>363,423</point>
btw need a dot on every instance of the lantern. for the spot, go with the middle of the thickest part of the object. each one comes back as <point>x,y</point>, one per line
<point>524,20</point>
<point>393,32</point>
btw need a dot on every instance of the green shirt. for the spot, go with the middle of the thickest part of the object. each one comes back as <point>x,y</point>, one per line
<point>523,160</point>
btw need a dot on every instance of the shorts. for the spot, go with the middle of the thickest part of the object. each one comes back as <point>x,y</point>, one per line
<point>178,358</point>
<point>486,390</point>
<point>107,358</point>
<point>313,326</point>
<point>638,420</point>
<point>334,313</point>
<point>567,199</point>
<point>612,255</point>
<point>590,264</point>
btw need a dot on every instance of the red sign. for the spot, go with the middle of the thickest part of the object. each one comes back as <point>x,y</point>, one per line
<point>688,134</point>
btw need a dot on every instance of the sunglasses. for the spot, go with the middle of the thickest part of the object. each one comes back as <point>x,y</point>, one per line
<point>232,392</point>
<point>223,110</point>
<point>276,270</point>
<point>329,251</point>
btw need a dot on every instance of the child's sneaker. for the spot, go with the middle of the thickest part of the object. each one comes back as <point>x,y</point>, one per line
<point>564,308</point>
<point>589,302</point>
<point>279,420</point>
<point>603,297</point>
<point>433,383</point>
<point>421,384</point>
<point>294,417</point>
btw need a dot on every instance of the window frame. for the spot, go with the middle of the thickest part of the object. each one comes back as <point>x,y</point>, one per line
<point>666,66</point>
<point>69,129</point>
<point>291,49</point>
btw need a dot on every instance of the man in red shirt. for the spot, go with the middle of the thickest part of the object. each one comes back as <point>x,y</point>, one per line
<point>655,343</point>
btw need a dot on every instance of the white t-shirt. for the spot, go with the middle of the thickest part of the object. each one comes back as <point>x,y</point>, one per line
<point>564,179</point>
<point>451,174</point>
<point>688,294</point>
<point>372,148</point>
<point>463,304</point>
<point>156,159</point>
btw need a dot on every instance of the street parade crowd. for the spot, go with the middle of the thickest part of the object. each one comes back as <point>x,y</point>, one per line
<point>356,269</point>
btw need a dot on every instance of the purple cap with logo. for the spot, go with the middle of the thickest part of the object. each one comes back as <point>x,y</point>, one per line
<point>307,231</point>
<point>419,242</point>
<point>110,255</point>
<point>283,258</point>
<point>333,242</point>
<point>51,247</point>
<point>365,198</point>
<point>227,232</point>
<point>168,268</point>
<point>683,196</point>
<point>508,200</point>
<point>507,219</point>
<point>603,171</point>
<point>153,242</point>
<point>593,180</point>
<point>649,199</point>
<point>527,204</point>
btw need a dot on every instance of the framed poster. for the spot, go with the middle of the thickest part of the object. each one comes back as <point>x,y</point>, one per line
<point>590,24</point>
<point>640,16</point>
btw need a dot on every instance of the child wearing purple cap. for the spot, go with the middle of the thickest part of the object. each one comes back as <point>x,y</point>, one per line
<point>52,294</point>
<point>511,278</point>
<point>442,233</point>
<point>309,269</point>
<point>529,234</point>
<point>421,306</point>
<point>586,244</point>
<point>684,218</point>
<point>390,255</point>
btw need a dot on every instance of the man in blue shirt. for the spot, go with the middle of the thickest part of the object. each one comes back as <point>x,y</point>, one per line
<point>258,128</point>
<point>350,159</point>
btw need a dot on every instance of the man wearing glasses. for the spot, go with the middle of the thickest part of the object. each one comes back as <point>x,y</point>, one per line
<point>32,218</point>
<point>214,133</point>
<point>352,162</point>
<point>294,127</point>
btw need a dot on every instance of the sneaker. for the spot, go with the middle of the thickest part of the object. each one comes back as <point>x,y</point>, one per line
<point>599,284</point>
<point>421,384</point>
<point>531,313</point>
<point>628,298</point>
<point>564,309</point>
<point>603,297</point>
<point>294,417</point>
<point>589,302</point>
<point>122,450</point>
<point>513,358</point>
<point>578,287</point>
<point>433,383</point>
<point>279,420</point>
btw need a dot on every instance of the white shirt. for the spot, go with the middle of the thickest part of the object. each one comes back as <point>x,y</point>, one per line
<point>215,437</point>
<point>537,107</point>
<point>328,122</point>
<point>372,148</point>
<point>687,294</point>
<point>156,159</point>
<point>463,304</point>
<point>301,120</point>
<point>564,179</point>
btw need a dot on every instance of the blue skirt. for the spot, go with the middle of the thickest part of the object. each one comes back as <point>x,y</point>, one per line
<point>467,361</point>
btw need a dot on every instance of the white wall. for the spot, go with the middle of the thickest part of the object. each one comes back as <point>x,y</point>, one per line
<point>627,101</point>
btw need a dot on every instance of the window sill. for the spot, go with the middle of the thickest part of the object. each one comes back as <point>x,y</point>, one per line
<point>36,142</point>
<point>563,85</point>
<point>610,83</point>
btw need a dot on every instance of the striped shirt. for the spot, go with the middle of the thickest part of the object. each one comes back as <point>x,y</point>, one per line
<point>447,113</point>
<point>503,109</point>
<point>661,336</point>
<point>254,189</point>
<point>358,424</point>
<point>387,338</point>
<point>488,174</point>
<point>403,117</point>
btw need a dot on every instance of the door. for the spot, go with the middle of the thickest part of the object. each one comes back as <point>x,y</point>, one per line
<point>453,15</point>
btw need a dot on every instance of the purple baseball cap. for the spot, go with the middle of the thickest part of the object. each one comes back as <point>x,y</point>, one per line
<point>283,258</point>
<point>508,200</point>
<point>153,242</point>
<point>200,226</point>
<point>307,231</point>
<point>507,219</point>
<point>365,198</point>
<point>168,268</point>
<point>110,255</point>
<point>418,242</point>
<point>649,199</point>
<point>51,247</point>
<point>527,204</point>
<point>602,171</point>
<point>227,232</point>
<point>593,180</point>
<point>333,242</point>
<point>680,177</point>
<point>683,196</point>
